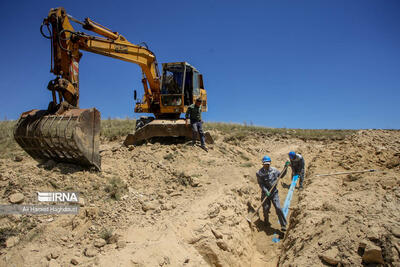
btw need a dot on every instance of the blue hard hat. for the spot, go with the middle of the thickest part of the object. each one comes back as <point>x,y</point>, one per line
<point>292,154</point>
<point>266,159</point>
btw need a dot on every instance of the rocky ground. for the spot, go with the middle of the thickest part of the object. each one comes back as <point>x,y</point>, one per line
<point>169,204</point>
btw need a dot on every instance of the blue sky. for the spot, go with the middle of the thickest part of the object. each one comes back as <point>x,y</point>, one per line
<point>296,64</point>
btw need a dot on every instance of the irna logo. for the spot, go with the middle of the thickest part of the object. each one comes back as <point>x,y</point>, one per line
<point>58,196</point>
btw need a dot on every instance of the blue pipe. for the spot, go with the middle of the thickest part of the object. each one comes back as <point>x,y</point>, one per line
<point>289,195</point>
<point>286,205</point>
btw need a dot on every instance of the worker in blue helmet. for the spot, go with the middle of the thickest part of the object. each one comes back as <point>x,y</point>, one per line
<point>266,177</point>
<point>297,164</point>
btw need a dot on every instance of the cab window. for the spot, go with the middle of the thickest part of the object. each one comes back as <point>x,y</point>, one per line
<point>196,89</point>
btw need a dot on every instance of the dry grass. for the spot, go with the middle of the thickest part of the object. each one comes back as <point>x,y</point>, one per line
<point>246,165</point>
<point>5,233</point>
<point>183,179</point>
<point>238,132</point>
<point>111,129</point>
<point>8,146</point>
<point>116,188</point>
<point>106,234</point>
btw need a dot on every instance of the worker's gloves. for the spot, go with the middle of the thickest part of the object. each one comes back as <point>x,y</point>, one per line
<point>287,163</point>
<point>266,192</point>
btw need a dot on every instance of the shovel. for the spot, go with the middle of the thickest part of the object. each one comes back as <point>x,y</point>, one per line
<point>251,216</point>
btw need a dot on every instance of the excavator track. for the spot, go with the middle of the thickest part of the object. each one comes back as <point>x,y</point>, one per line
<point>163,128</point>
<point>71,137</point>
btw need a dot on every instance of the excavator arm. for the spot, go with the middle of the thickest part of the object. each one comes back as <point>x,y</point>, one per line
<point>66,46</point>
<point>123,50</point>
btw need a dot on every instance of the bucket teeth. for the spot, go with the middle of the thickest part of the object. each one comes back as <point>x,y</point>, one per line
<point>70,137</point>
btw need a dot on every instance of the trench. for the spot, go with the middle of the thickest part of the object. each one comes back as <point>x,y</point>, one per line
<point>266,242</point>
<point>241,243</point>
<point>257,245</point>
<point>268,239</point>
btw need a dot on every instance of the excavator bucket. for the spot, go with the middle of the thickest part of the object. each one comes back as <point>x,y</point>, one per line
<point>72,136</point>
<point>163,128</point>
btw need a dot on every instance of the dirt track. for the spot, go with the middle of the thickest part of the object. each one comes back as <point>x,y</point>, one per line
<point>175,205</point>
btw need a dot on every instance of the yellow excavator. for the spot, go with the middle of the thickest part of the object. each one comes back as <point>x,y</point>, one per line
<point>65,133</point>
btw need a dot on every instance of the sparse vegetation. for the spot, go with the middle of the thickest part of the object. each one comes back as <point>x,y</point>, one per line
<point>7,143</point>
<point>236,137</point>
<point>5,233</point>
<point>238,132</point>
<point>114,128</point>
<point>26,229</point>
<point>223,150</point>
<point>243,156</point>
<point>211,162</point>
<point>54,184</point>
<point>116,188</point>
<point>169,156</point>
<point>35,232</point>
<point>106,234</point>
<point>183,179</point>
<point>95,186</point>
<point>246,165</point>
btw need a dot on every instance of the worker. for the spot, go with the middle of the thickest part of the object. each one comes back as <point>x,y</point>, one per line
<point>297,164</point>
<point>267,177</point>
<point>176,101</point>
<point>194,114</point>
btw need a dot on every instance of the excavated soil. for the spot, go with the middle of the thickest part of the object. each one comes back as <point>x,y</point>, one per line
<point>165,204</point>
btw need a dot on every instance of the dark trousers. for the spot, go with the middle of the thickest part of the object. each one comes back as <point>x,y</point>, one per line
<point>274,198</point>
<point>197,127</point>
<point>300,173</point>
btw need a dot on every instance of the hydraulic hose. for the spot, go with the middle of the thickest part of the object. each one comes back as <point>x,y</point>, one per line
<point>48,28</point>
<point>65,39</point>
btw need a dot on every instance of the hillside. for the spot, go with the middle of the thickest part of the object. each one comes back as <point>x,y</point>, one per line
<point>167,203</point>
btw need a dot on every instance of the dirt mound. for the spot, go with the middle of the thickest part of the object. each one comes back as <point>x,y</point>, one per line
<point>176,205</point>
<point>340,218</point>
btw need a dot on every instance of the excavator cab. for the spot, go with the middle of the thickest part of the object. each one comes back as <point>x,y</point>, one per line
<point>181,84</point>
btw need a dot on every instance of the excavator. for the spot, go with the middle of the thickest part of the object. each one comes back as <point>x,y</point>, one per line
<point>65,133</point>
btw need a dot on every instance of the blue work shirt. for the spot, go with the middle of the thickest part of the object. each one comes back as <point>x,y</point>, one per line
<point>266,179</point>
<point>297,163</point>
